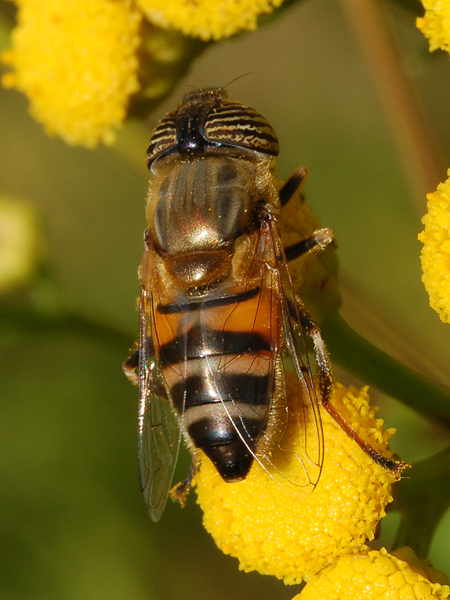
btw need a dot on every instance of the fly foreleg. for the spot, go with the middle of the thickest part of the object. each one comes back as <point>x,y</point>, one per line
<point>292,184</point>
<point>320,238</point>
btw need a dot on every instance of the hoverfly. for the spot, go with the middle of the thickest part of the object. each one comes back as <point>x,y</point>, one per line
<point>221,329</point>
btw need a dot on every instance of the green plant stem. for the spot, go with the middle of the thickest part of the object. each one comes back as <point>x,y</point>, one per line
<point>422,499</point>
<point>24,323</point>
<point>357,355</point>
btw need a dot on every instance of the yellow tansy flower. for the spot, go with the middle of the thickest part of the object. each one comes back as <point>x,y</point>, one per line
<point>207,19</point>
<point>76,62</point>
<point>435,24</point>
<point>288,531</point>
<point>374,575</point>
<point>435,255</point>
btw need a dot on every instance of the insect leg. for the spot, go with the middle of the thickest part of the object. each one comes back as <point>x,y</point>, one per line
<point>292,184</point>
<point>396,467</point>
<point>130,366</point>
<point>319,240</point>
<point>180,491</point>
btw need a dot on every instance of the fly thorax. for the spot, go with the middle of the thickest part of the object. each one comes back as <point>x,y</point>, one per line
<point>198,211</point>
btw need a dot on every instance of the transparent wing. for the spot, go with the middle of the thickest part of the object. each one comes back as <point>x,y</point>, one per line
<point>301,444</point>
<point>158,431</point>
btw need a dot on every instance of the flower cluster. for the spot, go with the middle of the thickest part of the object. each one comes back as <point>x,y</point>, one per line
<point>377,575</point>
<point>435,255</point>
<point>76,61</point>
<point>80,62</point>
<point>207,19</point>
<point>435,24</point>
<point>318,536</point>
<point>292,531</point>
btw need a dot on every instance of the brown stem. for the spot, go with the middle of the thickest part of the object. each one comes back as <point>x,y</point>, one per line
<point>416,147</point>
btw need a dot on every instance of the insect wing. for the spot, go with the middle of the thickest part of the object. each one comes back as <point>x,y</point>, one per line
<point>303,404</point>
<point>158,431</point>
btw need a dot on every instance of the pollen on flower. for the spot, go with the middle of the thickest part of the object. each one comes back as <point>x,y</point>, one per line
<point>435,24</point>
<point>75,60</point>
<point>207,19</point>
<point>374,575</point>
<point>290,531</point>
<point>435,256</point>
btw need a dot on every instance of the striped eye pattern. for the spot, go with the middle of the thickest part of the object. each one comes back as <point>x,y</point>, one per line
<point>234,124</point>
<point>163,139</point>
<point>206,118</point>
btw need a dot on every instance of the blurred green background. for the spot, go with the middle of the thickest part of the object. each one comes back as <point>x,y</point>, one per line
<point>73,525</point>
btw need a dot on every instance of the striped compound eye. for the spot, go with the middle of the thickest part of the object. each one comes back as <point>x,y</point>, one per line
<point>206,118</point>
<point>163,140</point>
<point>233,124</point>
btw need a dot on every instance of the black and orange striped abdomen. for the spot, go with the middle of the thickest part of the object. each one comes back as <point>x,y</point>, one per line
<point>217,356</point>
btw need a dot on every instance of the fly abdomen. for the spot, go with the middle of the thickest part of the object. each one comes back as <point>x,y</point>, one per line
<point>217,356</point>
<point>221,390</point>
<point>224,412</point>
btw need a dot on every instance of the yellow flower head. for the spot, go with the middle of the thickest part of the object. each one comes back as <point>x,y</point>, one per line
<point>292,532</point>
<point>75,60</point>
<point>207,19</point>
<point>375,575</point>
<point>435,24</point>
<point>435,255</point>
